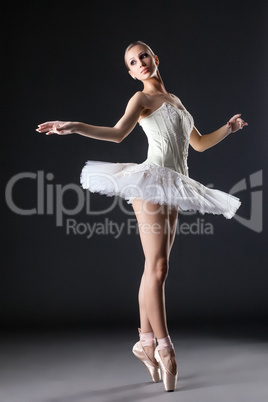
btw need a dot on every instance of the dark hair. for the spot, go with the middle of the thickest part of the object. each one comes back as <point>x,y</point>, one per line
<point>137,42</point>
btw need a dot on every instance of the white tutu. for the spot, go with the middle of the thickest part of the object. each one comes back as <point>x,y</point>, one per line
<point>159,185</point>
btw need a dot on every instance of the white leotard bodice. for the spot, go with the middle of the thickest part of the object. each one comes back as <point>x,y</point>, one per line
<point>168,131</point>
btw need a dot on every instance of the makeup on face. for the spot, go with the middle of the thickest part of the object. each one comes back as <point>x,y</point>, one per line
<point>142,55</point>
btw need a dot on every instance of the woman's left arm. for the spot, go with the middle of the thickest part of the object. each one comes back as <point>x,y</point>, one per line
<point>202,142</point>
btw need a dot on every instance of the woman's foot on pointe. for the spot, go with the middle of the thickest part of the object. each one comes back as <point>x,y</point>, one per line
<point>168,358</point>
<point>167,361</point>
<point>151,364</point>
<point>145,350</point>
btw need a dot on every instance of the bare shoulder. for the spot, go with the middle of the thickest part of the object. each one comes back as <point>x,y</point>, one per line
<point>178,101</point>
<point>139,99</point>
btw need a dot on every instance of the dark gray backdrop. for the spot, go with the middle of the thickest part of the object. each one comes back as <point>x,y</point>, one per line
<point>66,62</point>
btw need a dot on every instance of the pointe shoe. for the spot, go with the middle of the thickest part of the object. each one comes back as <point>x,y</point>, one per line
<point>169,379</point>
<point>154,369</point>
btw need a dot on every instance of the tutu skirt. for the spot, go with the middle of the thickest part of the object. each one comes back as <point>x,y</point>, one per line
<point>158,185</point>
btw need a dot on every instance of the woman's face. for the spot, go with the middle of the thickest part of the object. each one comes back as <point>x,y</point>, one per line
<point>141,63</point>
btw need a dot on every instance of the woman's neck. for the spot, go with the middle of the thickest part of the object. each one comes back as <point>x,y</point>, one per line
<point>154,86</point>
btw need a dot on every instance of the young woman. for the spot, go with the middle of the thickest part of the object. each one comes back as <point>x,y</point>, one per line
<point>157,189</point>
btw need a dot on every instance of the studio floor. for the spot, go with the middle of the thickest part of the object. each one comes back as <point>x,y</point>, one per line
<point>82,366</point>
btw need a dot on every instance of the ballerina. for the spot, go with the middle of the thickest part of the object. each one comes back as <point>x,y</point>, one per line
<point>157,189</point>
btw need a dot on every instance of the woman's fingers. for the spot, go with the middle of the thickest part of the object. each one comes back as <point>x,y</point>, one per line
<point>44,129</point>
<point>45,126</point>
<point>49,126</point>
<point>235,117</point>
<point>241,122</point>
<point>236,123</point>
<point>54,127</point>
<point>41,130</point>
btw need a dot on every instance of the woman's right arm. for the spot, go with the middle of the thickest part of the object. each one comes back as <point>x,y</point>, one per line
<point>115,134</point>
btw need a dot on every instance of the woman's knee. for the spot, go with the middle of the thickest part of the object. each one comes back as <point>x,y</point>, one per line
<point>158,269</point>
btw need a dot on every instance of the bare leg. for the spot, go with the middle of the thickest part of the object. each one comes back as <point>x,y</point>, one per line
<point>157,232</point>
<point>170,228</point>
<point>144,320</point>
<point>157,228</point>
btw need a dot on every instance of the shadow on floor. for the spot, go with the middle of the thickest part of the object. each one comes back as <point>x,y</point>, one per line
<point>133,392</point>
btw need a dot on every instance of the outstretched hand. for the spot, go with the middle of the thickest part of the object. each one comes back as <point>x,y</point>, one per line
<point>236,123</point>
<point>56,127</point>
